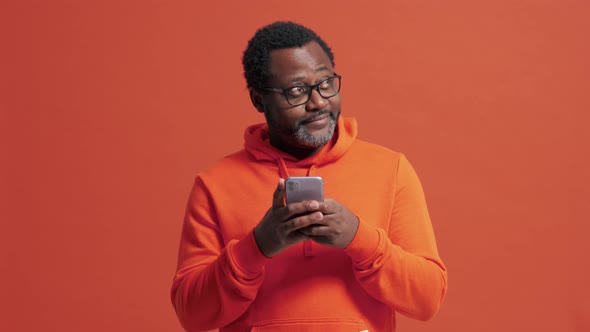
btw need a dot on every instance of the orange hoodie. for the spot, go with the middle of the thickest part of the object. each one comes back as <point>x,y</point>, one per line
<point>392,264</point>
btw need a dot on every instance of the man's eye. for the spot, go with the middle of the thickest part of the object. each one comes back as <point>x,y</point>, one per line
<point>297,91</point>
<point>325,85</point>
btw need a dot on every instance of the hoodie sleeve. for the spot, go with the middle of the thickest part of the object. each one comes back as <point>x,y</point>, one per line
<point>401,266</point>
<point>214,283</point>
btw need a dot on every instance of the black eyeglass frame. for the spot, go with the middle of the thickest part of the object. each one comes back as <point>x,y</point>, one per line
<point>285,92</point>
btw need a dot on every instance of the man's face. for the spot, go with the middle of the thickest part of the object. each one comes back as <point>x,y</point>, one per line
<point>307,127</point>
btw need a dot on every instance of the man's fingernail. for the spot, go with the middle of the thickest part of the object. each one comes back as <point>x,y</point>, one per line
<point>314,205</point>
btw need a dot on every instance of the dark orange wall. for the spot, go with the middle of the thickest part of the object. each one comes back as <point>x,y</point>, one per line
<point>108,109</point>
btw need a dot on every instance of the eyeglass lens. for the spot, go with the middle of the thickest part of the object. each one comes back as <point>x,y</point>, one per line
<point>300,94</point>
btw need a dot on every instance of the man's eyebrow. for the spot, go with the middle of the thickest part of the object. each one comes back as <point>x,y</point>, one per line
<point>295,79</point>
<point>300,78</point>
<point>321,68</point>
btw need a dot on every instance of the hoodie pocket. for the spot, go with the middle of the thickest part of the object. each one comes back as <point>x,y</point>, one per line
<point>311,325</point>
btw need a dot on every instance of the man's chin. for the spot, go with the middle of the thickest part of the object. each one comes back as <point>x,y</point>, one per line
<point>316,138</point>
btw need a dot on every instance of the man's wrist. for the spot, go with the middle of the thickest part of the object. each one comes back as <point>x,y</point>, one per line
<point>263,243</point>
<point>248,255</point>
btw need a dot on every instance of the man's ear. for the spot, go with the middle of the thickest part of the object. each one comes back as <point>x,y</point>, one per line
<point>256,98</point>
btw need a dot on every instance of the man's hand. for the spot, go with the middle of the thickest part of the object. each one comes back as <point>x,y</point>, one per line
<point>278,230</point>
<point>337,228</point>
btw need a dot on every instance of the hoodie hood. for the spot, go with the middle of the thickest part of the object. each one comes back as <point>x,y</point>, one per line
<point>257,144</point>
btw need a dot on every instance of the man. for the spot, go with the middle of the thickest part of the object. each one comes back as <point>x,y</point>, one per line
<point>249,262</point>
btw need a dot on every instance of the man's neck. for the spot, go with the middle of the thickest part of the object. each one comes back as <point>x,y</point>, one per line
<point>299,153</point>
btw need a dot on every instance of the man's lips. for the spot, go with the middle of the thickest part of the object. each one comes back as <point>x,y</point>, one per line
<point>317,118</point>
<point>318,122</point>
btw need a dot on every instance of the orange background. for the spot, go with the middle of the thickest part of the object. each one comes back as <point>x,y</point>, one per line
<point>110,108</point>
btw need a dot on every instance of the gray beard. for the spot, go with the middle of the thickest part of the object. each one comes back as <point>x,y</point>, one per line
<point>305,138</point>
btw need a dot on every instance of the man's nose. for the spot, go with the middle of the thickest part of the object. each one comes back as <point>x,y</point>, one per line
<point>316,101</point>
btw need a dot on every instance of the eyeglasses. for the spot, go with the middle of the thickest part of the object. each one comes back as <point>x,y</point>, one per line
<point>300,94</point>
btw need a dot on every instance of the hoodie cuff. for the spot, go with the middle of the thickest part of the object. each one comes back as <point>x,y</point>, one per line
<point>247,256</point>
<point>364,244</point>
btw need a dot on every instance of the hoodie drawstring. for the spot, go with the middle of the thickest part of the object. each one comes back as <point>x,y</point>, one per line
<point>283,171</point>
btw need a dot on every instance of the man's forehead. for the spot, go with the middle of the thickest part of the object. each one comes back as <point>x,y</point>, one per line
<point>291,63</point>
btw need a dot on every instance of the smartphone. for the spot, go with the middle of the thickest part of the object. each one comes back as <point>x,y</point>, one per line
<point>304,188</point>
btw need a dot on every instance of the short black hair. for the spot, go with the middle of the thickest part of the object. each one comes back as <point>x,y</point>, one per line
<point>275,36</point>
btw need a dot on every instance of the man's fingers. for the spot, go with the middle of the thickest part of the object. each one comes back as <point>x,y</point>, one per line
<point>301,208</point>
<point>328,206</point>
<point>303,221</point>
<point>316,230</point>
